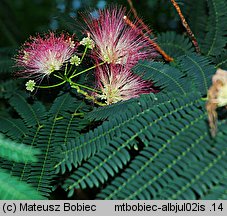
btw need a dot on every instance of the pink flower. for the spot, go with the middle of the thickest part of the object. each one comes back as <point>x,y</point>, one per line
<point>40,57</point>
<point>118,83</point>
<point>115,41</point>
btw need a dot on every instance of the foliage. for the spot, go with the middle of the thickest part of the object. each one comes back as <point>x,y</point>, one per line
<point>156,146</point>
<point>12,187</point>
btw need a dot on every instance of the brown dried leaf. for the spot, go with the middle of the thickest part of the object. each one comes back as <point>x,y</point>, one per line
<point>217,97</point>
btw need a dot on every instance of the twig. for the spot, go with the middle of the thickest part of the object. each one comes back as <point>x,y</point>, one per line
<point>152,43</point>
<point>87,96</point>
<point>144,26</point>
<point>186,26</point>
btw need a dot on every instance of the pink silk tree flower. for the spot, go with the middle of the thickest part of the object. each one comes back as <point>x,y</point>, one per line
<point>117,83</point>
<point>40,56</point>
<point>115,41</point>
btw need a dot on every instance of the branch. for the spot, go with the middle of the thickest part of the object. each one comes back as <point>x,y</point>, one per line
<point>144,26</point>
<point>186,26</point>
<point>151,42</point>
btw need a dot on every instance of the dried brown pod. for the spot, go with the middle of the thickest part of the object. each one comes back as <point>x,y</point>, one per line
<point>217,97</point>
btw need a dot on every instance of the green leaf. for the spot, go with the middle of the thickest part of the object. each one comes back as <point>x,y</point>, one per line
<point>215,39</point>
<point>199,70</point>
<point>175,45</point>
<point>13,189</point>
<point>16,152</point>
<point>166,77</point>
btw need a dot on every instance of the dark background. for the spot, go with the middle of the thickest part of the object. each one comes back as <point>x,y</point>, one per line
<point>21,18</point>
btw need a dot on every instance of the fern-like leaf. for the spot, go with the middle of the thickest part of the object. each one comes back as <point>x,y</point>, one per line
<point>198,69</point>
<point>221,60</point>
<point>175,45</point>
<point>166,77</point>
<point>215,40</point>
<point>16,152</point>
<point>174,165</point>
<point>47,131</point>
<point>13,189</point>
<point>145,125</point>
<point>102,113</point>
<point>8,87</point>
<point>218,192</point>
<point>13,128</point>
<point>88,144</point>
<point>30,113</point>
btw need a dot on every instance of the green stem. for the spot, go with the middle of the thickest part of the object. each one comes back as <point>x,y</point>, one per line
<point>86,87</point>
<point>71,66</point>
<point>87,96</point>
<point>58,76</point>
<point>52,85</point>
<point>204,99</point>
<point>66,67</point>
<point>84,71</point>
<point>85,51</point>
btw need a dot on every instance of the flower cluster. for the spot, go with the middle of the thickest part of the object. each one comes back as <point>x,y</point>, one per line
<point>118,83</point>
<point>39,57</point>
<point>115,41</point>
<point>116,47</point>
<point>120,47</point>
